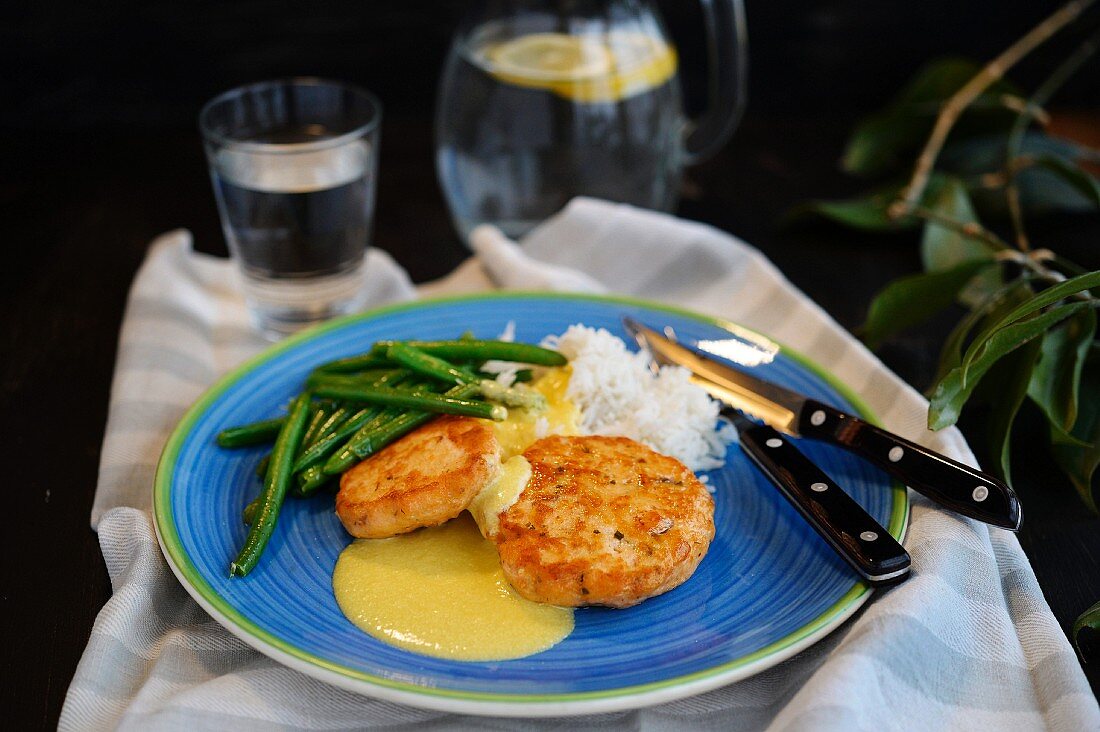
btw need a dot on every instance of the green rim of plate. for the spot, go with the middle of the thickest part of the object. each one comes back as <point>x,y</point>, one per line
<point>173,548</point>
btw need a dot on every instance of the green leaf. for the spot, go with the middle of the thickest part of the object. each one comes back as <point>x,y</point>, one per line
<point>1047,297</point>
<point>909,300</point>
<point>1041,189</point>
<point>986,153</point>
<point>881,142</point>
<point>941,78</point>
<point>1010,377</point>
<point>1078,453</point>
<point>943,248</point>
<point>951,393</point>
<point>886,139</point>
<point>1081,180</point>
<point>993,306</point>
<point>1088,619</point>
<point>867,213</point>
<point>1056,381</point>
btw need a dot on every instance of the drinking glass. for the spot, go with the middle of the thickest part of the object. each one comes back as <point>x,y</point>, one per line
<point>294,163</point>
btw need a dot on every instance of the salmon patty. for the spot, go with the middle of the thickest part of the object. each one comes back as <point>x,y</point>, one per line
<point>603,521</point>
<point>426,478</point>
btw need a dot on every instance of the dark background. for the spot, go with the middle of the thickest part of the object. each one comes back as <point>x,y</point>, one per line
<point>100,153</point>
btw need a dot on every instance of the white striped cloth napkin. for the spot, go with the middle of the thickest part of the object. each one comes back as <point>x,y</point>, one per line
<point>967,643</point>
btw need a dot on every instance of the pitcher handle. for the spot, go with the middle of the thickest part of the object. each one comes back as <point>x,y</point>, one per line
<point>727,53</point>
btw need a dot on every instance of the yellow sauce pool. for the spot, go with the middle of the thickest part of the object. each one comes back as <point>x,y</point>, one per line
<point>441,592</point>
<point>561,417</point>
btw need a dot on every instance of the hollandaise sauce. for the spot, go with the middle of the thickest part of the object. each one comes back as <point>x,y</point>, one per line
<point>441,592</point>
<point>561,416</point>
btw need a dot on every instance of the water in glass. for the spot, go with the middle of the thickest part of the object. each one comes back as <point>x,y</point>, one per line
<point>298,222</point>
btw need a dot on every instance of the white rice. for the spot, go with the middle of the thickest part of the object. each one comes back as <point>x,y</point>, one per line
<point>618,394</point>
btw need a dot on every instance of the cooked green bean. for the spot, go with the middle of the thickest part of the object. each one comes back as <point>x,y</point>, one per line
<point>318,414</point>
<point>481,350</point>
<point>247,435</point>
<point>276,484</point>
<point>311,480</point>
<point>390,431</point>
<point>420,400</point>
<point>431,366</point>
<point>324,447</point>
<point>514,396</point>
<point>402,423</point>
<point>331,442</point>
<point>367,378</point>
<point>347,455</point>
<point>362,362</point>
<point>428,365</point>
<point>380,431</point>
<point>333,423</point>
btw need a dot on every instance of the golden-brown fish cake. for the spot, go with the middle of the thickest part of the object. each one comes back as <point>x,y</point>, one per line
<point>603,521</point>
<point>426,478</point>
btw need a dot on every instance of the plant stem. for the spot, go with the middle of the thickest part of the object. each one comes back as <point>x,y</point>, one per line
<point>1025,108</point>
<point>1016,135</point>
<point>971,229</point>
<point>1034,264</point>
<point>960,100</point>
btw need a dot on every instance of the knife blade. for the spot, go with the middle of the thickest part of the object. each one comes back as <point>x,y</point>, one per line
<point>951,484</point>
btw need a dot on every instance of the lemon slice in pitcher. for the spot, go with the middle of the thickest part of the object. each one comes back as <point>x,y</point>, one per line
<point>582,68</point>
<point>540,58</point>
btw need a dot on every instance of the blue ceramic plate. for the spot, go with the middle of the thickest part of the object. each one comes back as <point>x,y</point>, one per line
<point>768,588</point>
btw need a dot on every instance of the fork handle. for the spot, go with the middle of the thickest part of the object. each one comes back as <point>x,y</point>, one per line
<point>949,483</point>
<point>842,522</point>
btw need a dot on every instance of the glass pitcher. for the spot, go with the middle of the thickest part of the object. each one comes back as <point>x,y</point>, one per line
<point>541,101</point>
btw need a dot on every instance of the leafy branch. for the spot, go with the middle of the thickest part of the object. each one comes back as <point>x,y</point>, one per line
<point>971,90</point>
<point>985,164</point>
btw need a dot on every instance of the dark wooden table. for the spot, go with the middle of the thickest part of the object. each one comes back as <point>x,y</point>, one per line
<point>81,209</point>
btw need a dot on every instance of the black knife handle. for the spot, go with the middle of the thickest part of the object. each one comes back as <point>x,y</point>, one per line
<point>851,531</point>
<point>949,483</point>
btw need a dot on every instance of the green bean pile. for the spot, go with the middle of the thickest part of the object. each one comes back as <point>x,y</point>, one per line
<point>353,407</point>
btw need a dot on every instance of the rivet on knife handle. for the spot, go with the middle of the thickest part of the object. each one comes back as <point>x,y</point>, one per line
<point>953,485</point>
<point>851,531</point>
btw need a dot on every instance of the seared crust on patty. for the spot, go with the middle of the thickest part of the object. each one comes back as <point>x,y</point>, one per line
<point>426,478</point>
<point>603,521</point>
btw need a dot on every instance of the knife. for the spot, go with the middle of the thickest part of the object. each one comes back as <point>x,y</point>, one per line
<point>842,522</point>
<point>951,484</point>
